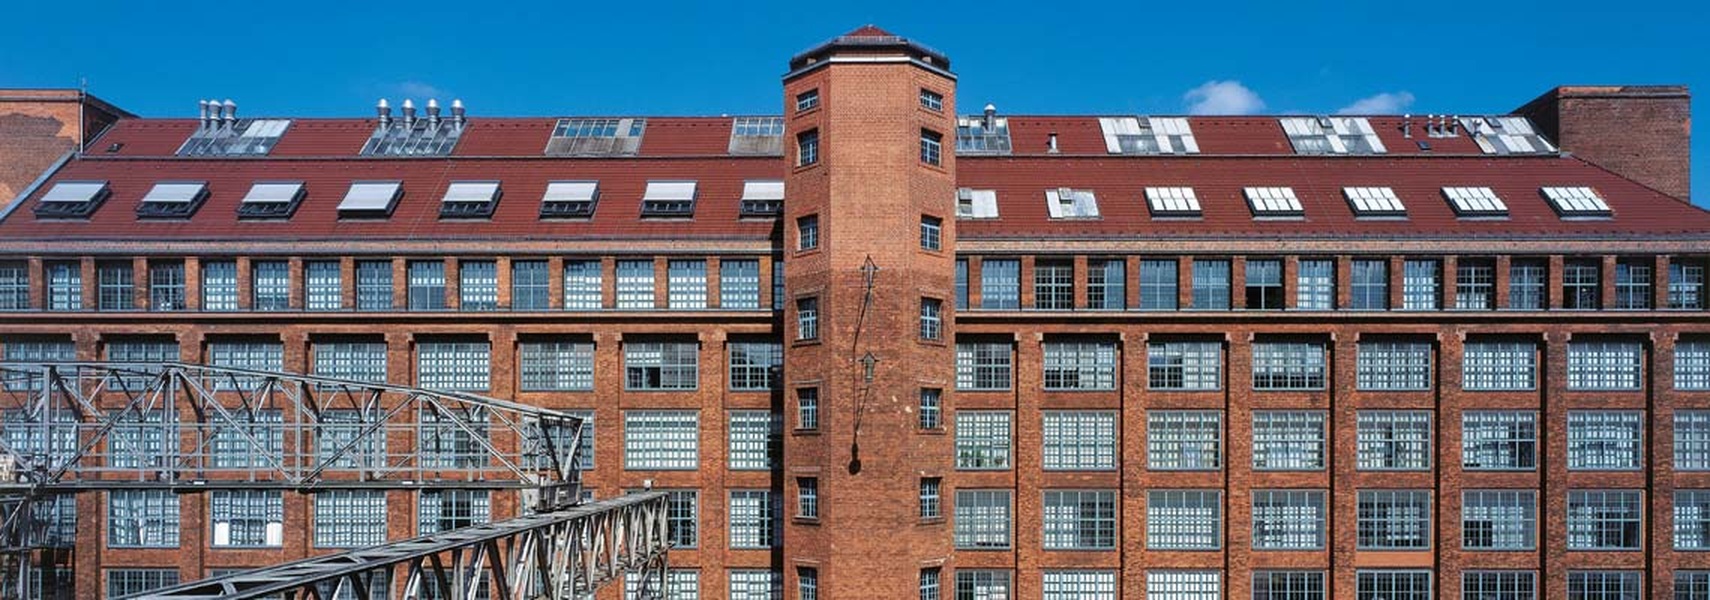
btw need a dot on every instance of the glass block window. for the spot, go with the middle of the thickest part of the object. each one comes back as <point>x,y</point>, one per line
<point>983,584</point>
<point>1158,284</point>
<point>531,285</point>
<point>427,285</point>
<point>755,440</point>
<point>1288,519</point>
<point>739,284</point>
<point>1000,284</point>
<point>931,494</point>
<point>753,519</point>
<point>1692,520</point>
<point>656,366</point>
<point>807,233</point>
<point>1692,364</point>
<point>256,355</point>
<point>1581,284</point>
<point>1604,585</point>
<point>1685,286</point>
<point>1289,585</point>
<point>352,360</point>
<point>231,448</point>
<point>1499,585</point>
<point>1499,440</point>
<point>1605,520</point>
<point>270,285</point>
<point>114,287</point>
<point>247,518</point>
<point>219,285</point>
<point>14,285</point>
<point>555,364</point>
<point>126,582</point>
<point>686,284</point>
<point>1184,440</point>
<point>661,440</point>
<point>983,365</point>
<point>1527,282</point>
<point>1211,285</point>
<point>1499,365</point>
<point>477,285</point>
<point>1421,285</point>
<point>1692,440</point>
<point>1394,519</point>
<point>454,365</point>
<point>1633,285</point>
<point>1605,439</point>
<point>445,510</point>
<point>166,285</point>
<point>1184,519</point>
<point>754,365</point>
<point>1601,364</point>
<point>982,439</point>
<point>1080,520</point>
<point>961,284</point>
<point>323,285</point>
<point>1394,365</point>
<point>1409,584</point>
<point>65,285</point>
<point>349,518</point>
<point>682,517</point>
<point>931,408</point>
<point>1054,285</point>
<point>1369,289</point>
<point>1475,284</point>
<point>374,285</point>
<point>1264,284</point>
<point>582,285</point>
<point>1105,284</point>
<point>1080,585</point>
<point>1288,366</point>
<point>982,520</point>
<point>142,519</point>
<point>634,285</point>
<point>1288,440</point>
<point>1184,585</point>
<point>1184,365</point>
<point>1080,365</point>
<point>1394,440</point>
<point>1315,285</point>
<point>931,319</point>
<point>756,584</point>
<point>1079,440</point>
<point>1499,520</point>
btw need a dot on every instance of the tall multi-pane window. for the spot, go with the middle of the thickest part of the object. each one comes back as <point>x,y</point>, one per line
<point>982,519</point>
<point>1264,284</point>
<point>219,285</point>
<point>166,285</point>
<point>270,285</point>
<point>115,288</point>
<point>1495,365</point>
<point>807,148</point>
<point>754,440</point>
<point>426,285</point>
<point>1184,365</point>
<point>1288,519</point>
<point>661,440</point>
<point>930,584</point>
<point>753,519</point>
<point>1210,285</point>
<point>1289,585</point>
<point>982,439</point>
<point>1692,364</point>
<point>1054,285</point>
<point>961,284</point>
<point>756,584</point>
<point>739,284</point>
<point>1394,520</point>
<point>555,364</point>
<point>374,285</point>
<point>1184,519</point>
<point>349,518</point>
<point>247,518</point>
<point>754,364</point>
<point>1079,584</point>
<point>682,517</point>
<point>1692,519</point>
<point>445,441</point>
<point>1691,440</point>
<point>1691,585</point>
<point>1499,440</point>
<point>1604,520</point>
<point>1105,284</point>
<point>1394,365</point>
<point>931,233</point>
<point>931,147</point>
<point>1685,284</point>
<point>807,409</point>
<point>1528,284</point>
<point>323,285</point>
<point>65,285</point>
<point>142,519</point>
<point>661,365</point>
<point>983,365</point>
<point>1000,284</point>
<point>1315,285</point>
<point>1475,284</point>
<point>1158,284</point>
<point>983,584</point>
<point>1633,285</point>
<point>1369,289</point>
<point>807,233</point>
<point>1392,584</point>
<point>1604,440</point>
<point>1080,519</point>
<point>1605,364</point>
<point>1581,284</point>
<point>807,583</point>
<point>454,365</point>
<point>1421,284</point>
<point>1184,585</point>
<point>583,282</point>
<point>143,440</point>
<point>931,408</point>
<point>14,285</point>
<point>531,285</point>
<point>635,284</point>
<point>1080,364</point>
<point>931,319</point>
<point>445,510</point>
<point>1184,440</point>
<point>477,285</point>
<point>1288,440</point>
<point>807,319</point>
<point>1281,365</point>
<point>1079,440</point>
<point>1499,520</point>
<point>1605,585</point>
<point>686,284</point>
<point>1499,585</point>
<point>931,495</point>
<point>778,285</point>
<point>1394,440</point>
<point>352,359</point>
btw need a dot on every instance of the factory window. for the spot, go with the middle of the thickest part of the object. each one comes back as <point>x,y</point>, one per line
<point>1686,286</point>
<point>35,349</point>
<point>1603,364</point>
<point>778,285</point>
<point>453,365</point>
<point>682,517</point>
<point>1499,440</point>
<point>983,584</point>
<point>982,440</point>
<point>931,493</point>
<point>53,440</point>
<point>1315,285</point>
<point>1499,585</point>
<point>1604,585</point>
<point>1158,284</point>
<point>1604,440</point>
<point>247,518</point>
<point>232,446</point>
<point>807,319</point>
<point>1080,520</point>
<point>661,365</point>
<point>1475,284</point>
<point>961,284</point>
<point>166,285</point>
<point>55,521</point>
<point>807,147</point>
<point>807,100</point>
<point>219,285</point>
<point>931,233</point>
<point>445,443</point>
<point>1400,584</point>
<point>142,519</point>
<point>339,428</point>
<point>531,285</point>
<point>445,510</point>
<point>255,355</point>
<point>807,583</point>
<point>1692,365</point>
<point>1211,285</point>
<point>930,585</point>
<point>982,519</point>
<point>807,409</point>
<point>1691,585</point>
<point>634,284</point>
<point>1499,365</point>
<point>126,582</point>
<point>753,519</point>
<point>931,319</point>
<point>661,440</point>
<point>1692,440</point>
<point>1000,284</point>
<point>807,233</point>
<point>1184,440</point>
<point>931,100</point>
<point>141,441</point>
<point>1079,440</point>
<point>555,364</point>
<point>374,285</point>
<point>1288,519</point>
<point>1370,287</point>
<point>1604,520</point>
<point>1692,520</point>
<point>982,365</point>
<point>270,285</point>
<point>756,584</point>
<point>1080,365</point>
<point>582,285</point>
<point>739,284</point>
<point>1288,440</point>
<point>323,285</point>
<point>585,446</point>
<point>65,285</point>
<point>1105,285</point>
<point>115,289</point>
<point>931,408</point>
<point>1581,284</point>
<point>1288,366</point>
<point>1264,284</point>
<point>1499,520</point>
<point>807,497</point>
<point>686,284</point>
<point>1527,284</point>
<point>1184,585</point>
<point>1054,285</point>
<point>1394,520</point>
<point>1633,285</point>
<point>1289,585</point>
<point>477,285</point>
<point>931,147</point>
<point>427,285</point>
<point>1394,440</point>
<point>754,365</point>
<point>1184,365</point>
<point>1080,585</point>
<point>1184,520</point>
<point>1394,365</point>
<point>356,361</point>
<point>1421,284</point>
<point>754,440</point>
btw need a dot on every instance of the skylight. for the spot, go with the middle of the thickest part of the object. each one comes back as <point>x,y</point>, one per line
<point>982,135</point>
<point>370,198</point>
<point>1066,203</point>
<point>757,136</point>
<point>1374,202</point>
<point>72,199</point>
<point>596,137</point>
<point>1577,201</point>
<point>469,200</point>
<point>570,199</point>
<point>271,200</point>
<point>1475,202</point>
<point>1149,135</point>
<point>1173,201</point>
<point>762,197</point>
<point>243,137</point>
<point>976,204</point>
<point>1331,135</point>
<point>1274,202</point>
<point>172,200</point>
<point>669,199</point>
<point>1506,135</point>
<point>414,137</point>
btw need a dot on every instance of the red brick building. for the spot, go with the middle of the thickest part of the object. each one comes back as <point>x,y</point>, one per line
<point>884,348</point>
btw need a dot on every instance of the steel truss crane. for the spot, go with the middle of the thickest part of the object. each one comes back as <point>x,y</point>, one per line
<point>81,426</point>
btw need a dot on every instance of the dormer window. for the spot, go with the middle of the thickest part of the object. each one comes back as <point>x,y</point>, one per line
<point>1274,203</point>
<point>72,200</point>
<point>976,204</point>
<point>1506,135</point>
<point>1331,135</point>
<point>469,200</point>
<point>1067,203</point>
<point>757,136</point>
<point>1149,135</point>
<point>370,199</point>
<point>172,200</point>
<point>669,199</point>
<point>1374,202</point>
<point>1577,202</point>
<point>570,200</point>
<point>271,200</point>
<point>1179,202</point>
<point>1476,202</point>
<point>762,197</point>
<point>596,137</point>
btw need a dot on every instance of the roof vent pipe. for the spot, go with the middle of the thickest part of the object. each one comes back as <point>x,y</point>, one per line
<point>1407,126</point>
<point>384,110</point>
<point>433,112</point>
<point>1431,125</point>
<point>1051,143</point>
<point>231,112</point>
<point>202,112</point>
<point>1454,126</point>
<point>409,113</point>
<point>457,114</point>
<point>991,117</point>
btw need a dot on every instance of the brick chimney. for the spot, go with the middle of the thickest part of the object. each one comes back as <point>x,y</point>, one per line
<point>1642,132</point>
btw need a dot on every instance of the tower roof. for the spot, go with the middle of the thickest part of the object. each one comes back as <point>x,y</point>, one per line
<point>870,39</point>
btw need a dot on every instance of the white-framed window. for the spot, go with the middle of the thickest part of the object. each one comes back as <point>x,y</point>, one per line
<point>807,233</point>
<point>1499,520</point>
<point>1392,584</point>
<point>1078,364</point>
<point>445,510</point>
<point>1501,440</point>
<point>584,284</point>
<point>739,284</point>
<point>1496,365</point>
<point>1184,585</point>
<point>930,584</point>
<point>555,364</point>
<point>1605,585</point>
<point>1288,366</point>
<point>349,518</point>
<point>166,285</point>
<point>1692,519</point>
<point>1605,520</point>
<point>1394,365</point>
<point>1692,440</point>
<point>1288,519</point>
<point>807,100</point>
<point>1079,440</point>
<point>247,518</point>
<point>1499,585</point>
<point>931,319</point>
<point>1691,585</point>
<point>1184,440</point>
<point>1184,365</point>
<point>931,408</point>
<point>1692,364</point>
<point>454,365</point>
<point>142,519</point>
<point>1394,519</point>
<point>219,285</point>
<point>1600,440</point>
<point>662,365</point>
<point>756,584</point>
<point>931,100</point>
<point>1394,440</point>
<point>983,365</point>
<point>807,583</point>
<point>931,498</point>
<point>754,516</point>
<point>931,147</point>
<point>983,584</point>
<point>1080,519</point>
<point>1289,585</point>
<point>982,439</point>
<point>1288,440</point>
<point>635,284</point>
<point>661,440</point>
<point>754,364</point>
<point>807,319</point>
<point>1184,519</point>
<point>807,408</point>
<point>1079,584</point>
<point>982,519</point>
<point>686,284</point>
<point>931,233</point>
<point>1603,364</point>
<point>807,497</point>
<point>755,439</point>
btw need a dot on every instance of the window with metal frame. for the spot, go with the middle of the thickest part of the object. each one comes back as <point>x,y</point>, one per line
<point>661,440</point>
<point>114,287</point>
<point>1392,584</point>
<point>1475,284</point>
<point>219,285</point>
<point>1394,520</point>
<point>682,517</point>
<point>1331,135</point>
<point>1499,440</point>
<point>1692,364</point>
<point>1184,365</point>
<point>1691,585</point>
<point>931,408</point>
<point>931,233</point>
<point>172,200</point>
<point>1576,202</point>
<point>981,135</point>
<point>14,285</point>
<point>596,136</point>
<point>1210,285</point>
<point>982,520</point>
<point>1633,285</point>
<point>1106,289</point>
<point>1394,440</point>
<point>1582,284</point>
<point>1499,520</point>
<point>253,354</point>
<point>1289,585</point>
<point>1692,519</point>
<point>1369,289</point>
<point>374,285</point>
<point>445,510</point>
<point>1499,585</point>
<point>144,350</point>
<point>1527,284</point>
<point>1605,585</point>
<point>583,285</point>
<point>982,440</point>
<point>1158,284</point>
<point>126,582</point>
<point>531,285</point>
<point>570,199</point>
<point>1375,202</point>
<point>323,285</point>
<point>931,100</point>
<point>739,284</point>
<point>1079,584</point>
<point>1495,364</point>
<point>477,285</point>
<point>1079,520</point>
<point>635,284</point>
<point>1000,284</point>
<point>1315,284</point>
<point>1685,284</point>
<point>1148,135</point>
<point>427,285</point>
<point>961,284</point>
<point>754,516</point>
<point>469,200</point>
<point>444,443</point>
<point>1184,440</point>
<point>35,349</point>
<point>1281,365</point>
<point>807,409</point>
<point>756,584</point>
<point>1176,202</point>
<point>555,363</point>
<point>1079,364</point>
<point>807,233</point>
<point>1605,364</point>
<point>931,319</point>
<point>1421,284</point>
<point>1173,584</point>
<point>142,519</point>
<point>976,204</point>
<point>807,100</point>
<point>1184,519</point>
<point>1070,203</point>
<point>756,136</point>
<point>231,446</point>
<point>931,147</point>
<point>686,284</point>
<point>931,494</point>
<point>807,319</point>
<point>807,497</point>
<point>1274,203</point>
<point>1605,440</point>
<point>661,365</point>
<point>755,365</point>
<point>1394,365</point>
<point>454,365</point>
<point>270,285</point>
<point>983,365</point>
<point>1476,203</point>
<point>1288,519</point>
<point>807,583</point>
<point>807,148</point>
<point>341,441</point>
<point>370,199</point>
<point>166,285</point>
<point>1288,440</point>
<point>1079,440</point>
<point>1264,284</point>
<point>72,200</point>
<point>930,586</point>
<point>1605,520</point>
<point>755,439</point>
<point>247,518</point>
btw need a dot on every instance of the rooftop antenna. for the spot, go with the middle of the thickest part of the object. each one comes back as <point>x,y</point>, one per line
<point>384,110</point>
<point>457,113</point>
<point>433,112</point>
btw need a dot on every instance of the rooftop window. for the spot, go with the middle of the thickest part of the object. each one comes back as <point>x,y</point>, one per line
<point>596,137</point>
<point>1576,201</point>
<point>982,135</point>
<point>469,200</point>
<point>1274,202</point>
<point>1374,202</point>
<point>172,200</point>
<point>1149,135</point>
<point>370,198</point>
<point>976,204</point>
<point>570,199</point>
<point>72,199</point>
<point>411,136</point>
<point>1475,202</point>
<point>669,199</point>
<point>1331,135</point>
<point>1067,203</point>
<point>762,197</point>
<point>1172,202</point>
<point>271,200</point>
<point>1506,135</point>
<point>243,137</point>
<point>757,136</point>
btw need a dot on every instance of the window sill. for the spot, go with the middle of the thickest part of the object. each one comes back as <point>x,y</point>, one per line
<point>806,432</point>
<point>932,521</point>
<point>801,520</point>
<point>933,431</point>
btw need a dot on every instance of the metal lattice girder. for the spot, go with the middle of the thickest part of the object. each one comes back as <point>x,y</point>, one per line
<point>557,555</point>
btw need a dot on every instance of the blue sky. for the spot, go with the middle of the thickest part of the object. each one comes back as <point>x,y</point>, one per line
<point>316,58</point>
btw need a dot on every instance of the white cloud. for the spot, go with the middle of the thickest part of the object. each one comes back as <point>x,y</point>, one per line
<point>1222,98</point>
<point>1387,103</point>
<point>419,90</point>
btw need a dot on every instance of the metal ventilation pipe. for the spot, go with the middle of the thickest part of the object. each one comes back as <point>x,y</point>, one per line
<point>433,112</point>
<point>230,116</point>
<point>409,112</point>
<point>202,112</point>
<point>383,110</point>
<point>457,113</point>
<point>1051,143</point>
<point>991,117</point>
